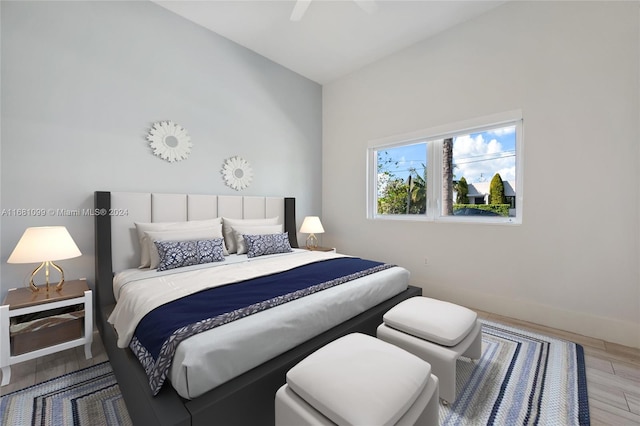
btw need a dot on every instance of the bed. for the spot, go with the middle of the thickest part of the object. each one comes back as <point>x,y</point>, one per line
<point>241,397</point>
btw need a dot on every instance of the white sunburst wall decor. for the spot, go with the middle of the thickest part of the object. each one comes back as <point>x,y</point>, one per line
<point>237,173</point>
<point>169,141</point>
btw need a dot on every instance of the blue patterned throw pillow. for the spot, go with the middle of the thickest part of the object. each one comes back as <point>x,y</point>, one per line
<point>176,254</point>
<point>259,245</point>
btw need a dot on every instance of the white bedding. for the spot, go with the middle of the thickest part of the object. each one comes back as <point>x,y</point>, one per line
<point>211,358</point>
<point>138,292</point>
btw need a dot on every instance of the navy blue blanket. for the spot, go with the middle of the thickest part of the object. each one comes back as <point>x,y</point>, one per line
<point>161,330</point>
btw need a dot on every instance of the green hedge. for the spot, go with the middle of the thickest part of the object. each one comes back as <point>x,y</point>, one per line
<point>501,209</point>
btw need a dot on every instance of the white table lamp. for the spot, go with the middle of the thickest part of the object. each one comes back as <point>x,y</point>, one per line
<point>44,245</point>
<point>311,225</point>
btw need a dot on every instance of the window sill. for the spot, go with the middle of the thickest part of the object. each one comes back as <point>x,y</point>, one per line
<point>509,221</point>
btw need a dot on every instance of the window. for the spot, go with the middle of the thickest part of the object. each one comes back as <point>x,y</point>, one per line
<point>468,171</point>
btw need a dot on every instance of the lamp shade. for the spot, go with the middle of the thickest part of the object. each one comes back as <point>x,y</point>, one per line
<point>311,225</point>
<point>44,243</point>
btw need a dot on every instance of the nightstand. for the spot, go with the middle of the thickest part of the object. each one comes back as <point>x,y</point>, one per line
<point>321,249</point>
<point>37,324</point>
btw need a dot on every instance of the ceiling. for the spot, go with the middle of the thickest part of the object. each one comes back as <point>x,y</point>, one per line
<point>334,37</point>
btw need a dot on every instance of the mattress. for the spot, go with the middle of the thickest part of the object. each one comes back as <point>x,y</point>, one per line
<point>209,359</point>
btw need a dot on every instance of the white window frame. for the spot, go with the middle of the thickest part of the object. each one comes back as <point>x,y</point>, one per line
<point>434,167</point>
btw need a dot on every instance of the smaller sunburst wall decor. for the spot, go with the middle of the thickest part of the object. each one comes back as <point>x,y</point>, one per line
<point>237,173</point>
<point>169,141</point>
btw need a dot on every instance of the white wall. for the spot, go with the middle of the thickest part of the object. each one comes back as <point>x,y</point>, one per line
<point>573,69</point>
<point>82,83</point>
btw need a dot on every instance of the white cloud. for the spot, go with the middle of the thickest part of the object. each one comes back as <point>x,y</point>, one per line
<point>479,160</point>
<point>502,131</point>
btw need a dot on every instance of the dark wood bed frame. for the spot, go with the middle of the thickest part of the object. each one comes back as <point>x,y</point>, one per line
<point>246,400</point>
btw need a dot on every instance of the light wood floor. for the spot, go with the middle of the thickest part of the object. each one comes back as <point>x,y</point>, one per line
<point>613,372</point>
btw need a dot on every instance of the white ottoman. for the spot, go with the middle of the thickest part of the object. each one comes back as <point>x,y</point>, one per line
<point>436,331</point>
<point>358,380</point>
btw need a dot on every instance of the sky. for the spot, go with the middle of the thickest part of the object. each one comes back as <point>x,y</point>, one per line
<point>477,156</point>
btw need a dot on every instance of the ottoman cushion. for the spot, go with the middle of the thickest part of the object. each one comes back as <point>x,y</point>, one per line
<point>360,380</point>
<point>433,320</point>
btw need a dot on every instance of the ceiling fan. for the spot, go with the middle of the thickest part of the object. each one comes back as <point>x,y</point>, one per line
<point>301,6</point>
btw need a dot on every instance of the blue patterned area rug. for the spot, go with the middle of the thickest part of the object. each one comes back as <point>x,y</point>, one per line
<point>523,378</point>
<point>88,397</point>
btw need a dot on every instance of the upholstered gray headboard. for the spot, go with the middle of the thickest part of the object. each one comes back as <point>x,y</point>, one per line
<point>117,246</point>
<point>130,207</point>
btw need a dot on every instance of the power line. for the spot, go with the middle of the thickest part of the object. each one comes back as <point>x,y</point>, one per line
<point>485,159</point>
<point>511,151</point>
<point>456,163</point>
<point>491,155</point>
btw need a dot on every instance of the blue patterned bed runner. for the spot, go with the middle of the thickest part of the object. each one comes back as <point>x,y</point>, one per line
<point>158,334</point>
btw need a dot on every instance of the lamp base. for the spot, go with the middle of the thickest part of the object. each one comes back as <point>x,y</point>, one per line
<point>46,265</point>
<point>312,242</point>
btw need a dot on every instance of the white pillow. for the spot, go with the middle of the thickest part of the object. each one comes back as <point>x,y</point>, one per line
<point>178,235</point>
<point>239,231</point>
<point>228,224</point>
<point>142,227</point>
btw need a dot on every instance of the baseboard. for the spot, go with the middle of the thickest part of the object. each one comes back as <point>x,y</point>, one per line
<point>612,330</point>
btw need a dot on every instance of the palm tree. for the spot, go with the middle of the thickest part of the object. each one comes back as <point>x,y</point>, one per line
<point>417,192</point>
<point>447,177</point>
